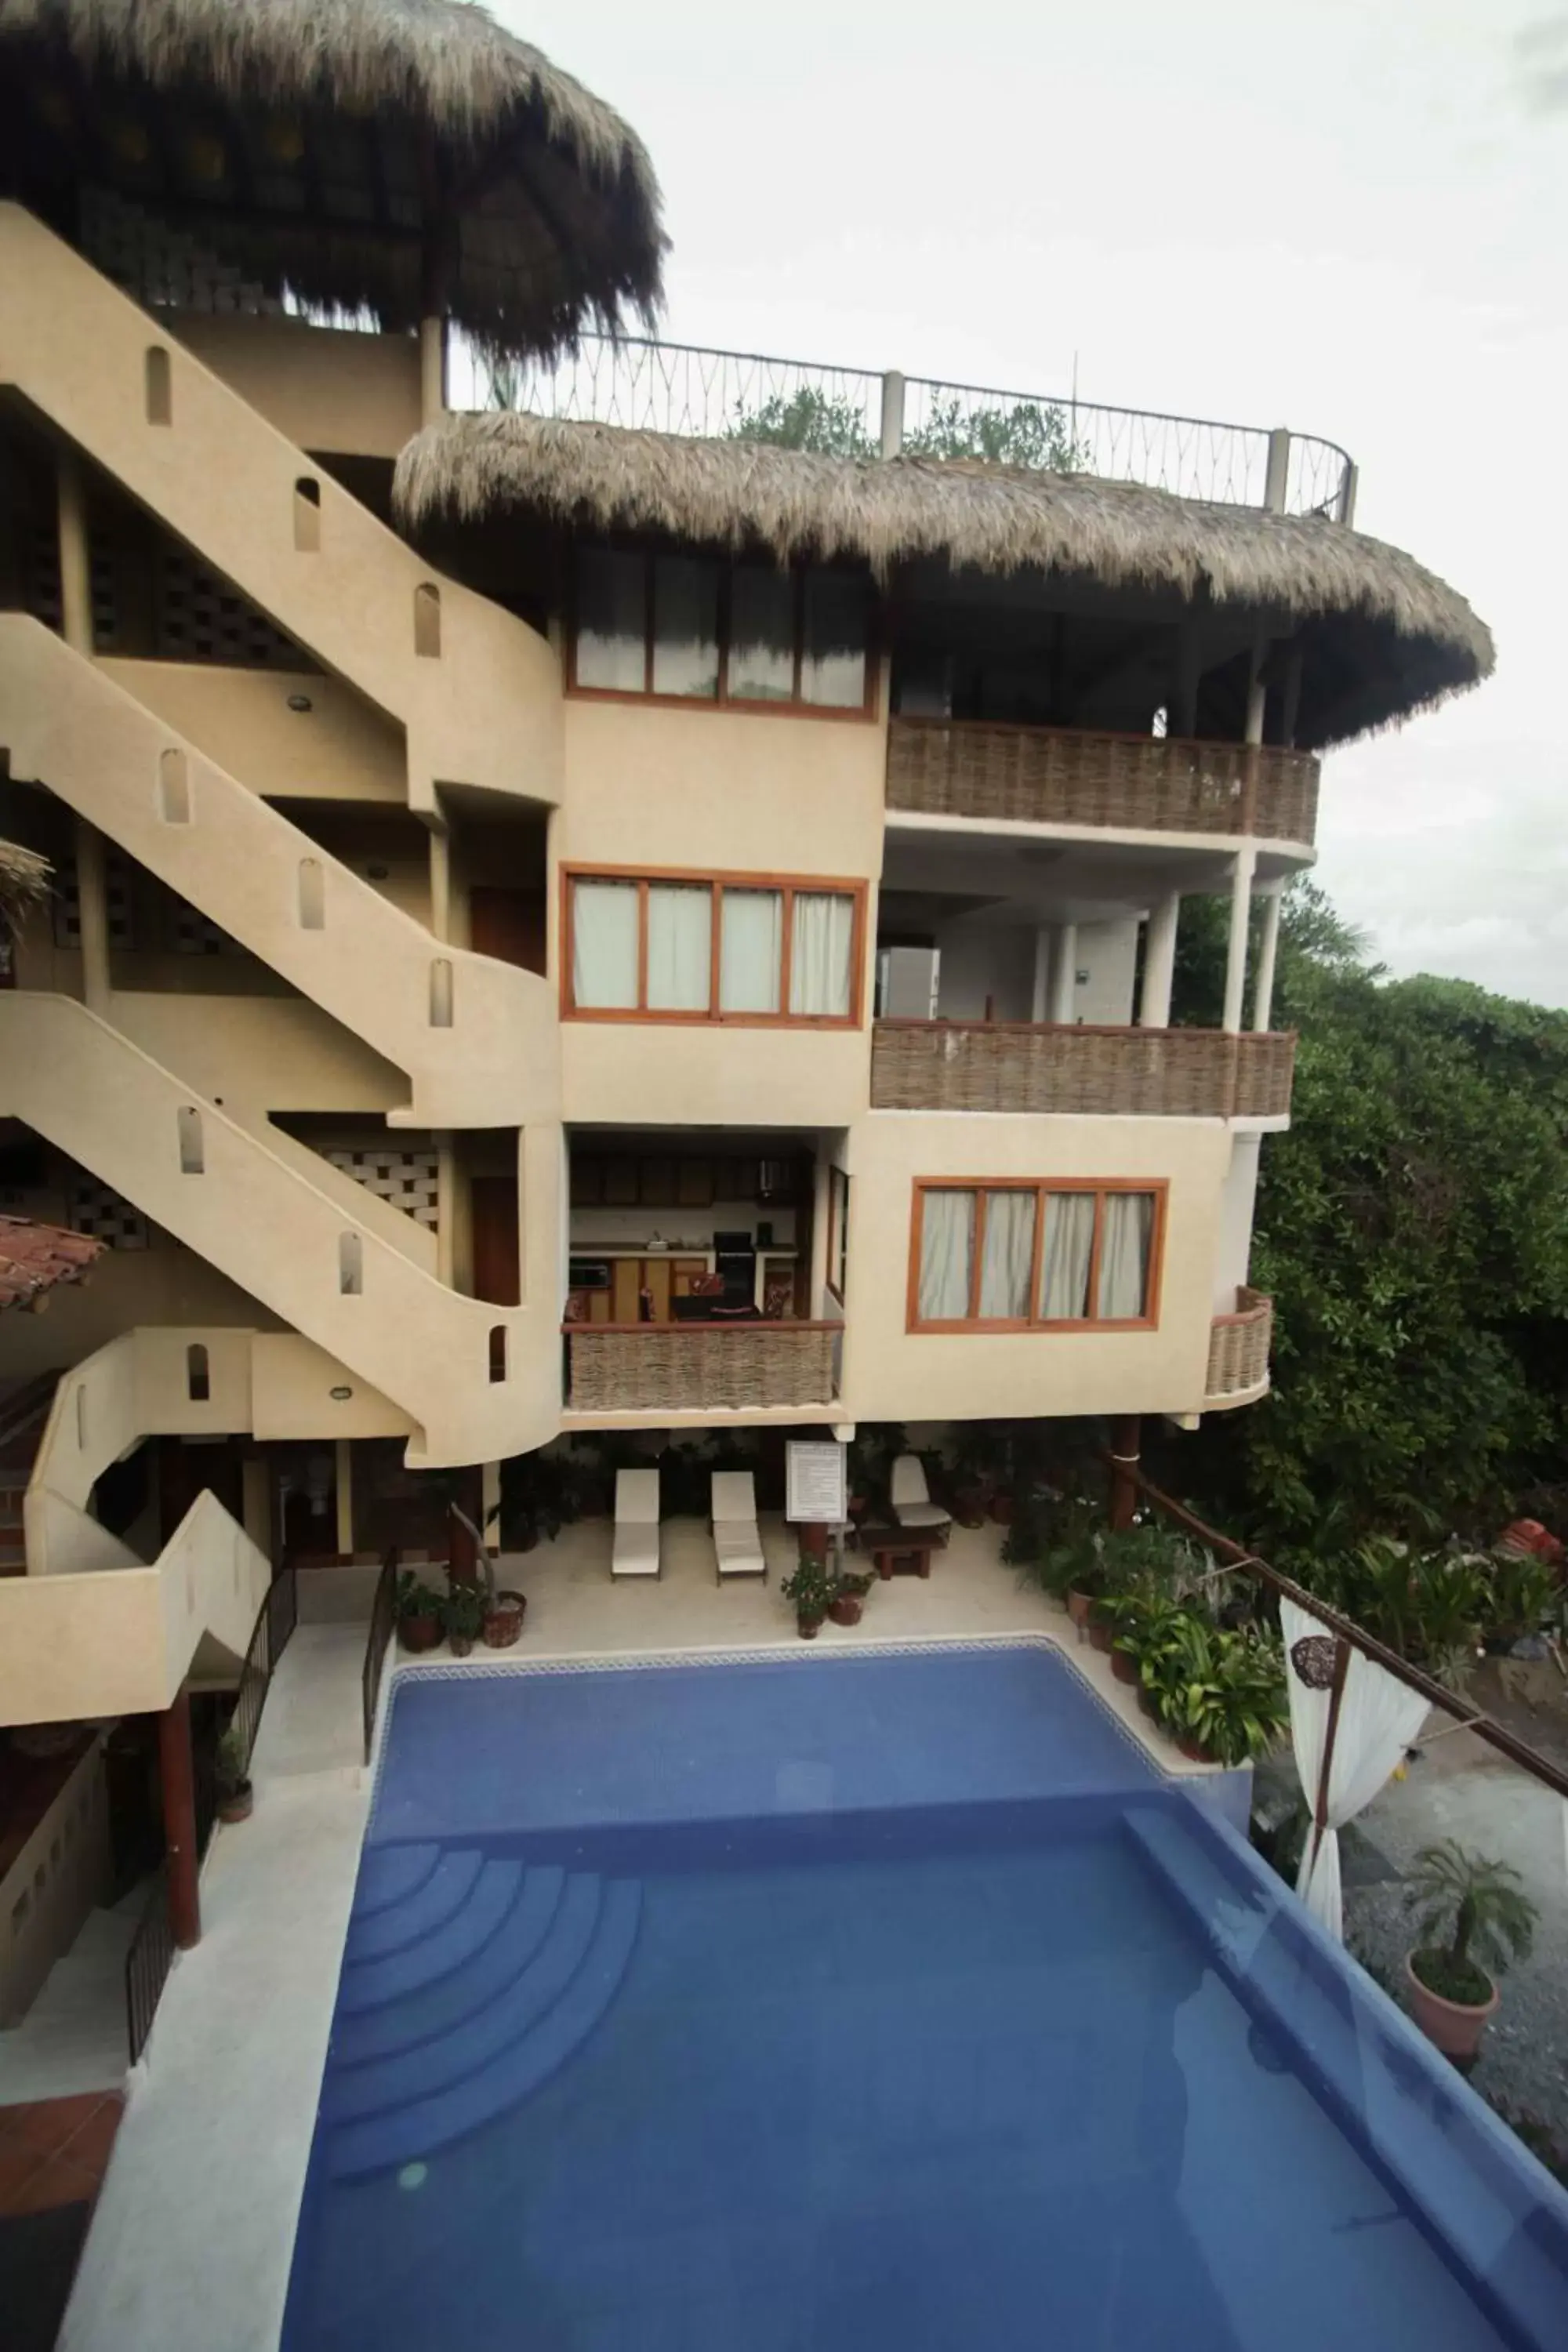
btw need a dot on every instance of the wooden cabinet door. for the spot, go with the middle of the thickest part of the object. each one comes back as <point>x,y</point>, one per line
<point>655,1182</point>
<point>588,1186</point>
<point>683,1272</point>
<point>694,1183</point>
<point>628,1274</point>
<point>656,1282</point>
<point>601,1307</point>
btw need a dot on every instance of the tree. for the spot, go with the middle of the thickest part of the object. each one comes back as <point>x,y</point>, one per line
<point>806,419</point>
<point>1030,433</point>
<point>1411,1228</point>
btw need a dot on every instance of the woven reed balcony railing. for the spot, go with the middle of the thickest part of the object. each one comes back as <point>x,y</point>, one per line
<point>694,1367</point>
<point>1238,1350</point>
<point>1059,775</point>
<point>1020,1065</point>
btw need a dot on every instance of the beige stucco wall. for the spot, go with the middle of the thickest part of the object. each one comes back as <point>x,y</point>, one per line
<point>343,747</point>
<point>326,388</point>
<point>892,1374</point>
<point>718,792</point>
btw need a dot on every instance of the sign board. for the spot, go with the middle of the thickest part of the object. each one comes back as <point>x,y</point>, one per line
<point>815,1482</point>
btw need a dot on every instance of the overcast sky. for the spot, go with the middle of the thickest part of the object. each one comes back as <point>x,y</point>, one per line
<point>1348,216</point>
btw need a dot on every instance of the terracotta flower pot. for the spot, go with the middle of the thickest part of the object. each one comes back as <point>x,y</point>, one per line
<point>1078,1606</point>
<point>1101,1633</point>
<point>503,1624</point>
<point>1123,1667</point>
<point>236,1804</point>
<point>846,1610</point>
<point>1002,1509</point>
<point>1456,2026</point>
<point>418,1633</point>
<point>461,1645</point>
<point>808,1628</point>
<point>969,1507</point>
<point>1192,1750</point>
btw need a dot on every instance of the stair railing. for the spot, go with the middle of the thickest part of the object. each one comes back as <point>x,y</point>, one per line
<point>383,1617</point>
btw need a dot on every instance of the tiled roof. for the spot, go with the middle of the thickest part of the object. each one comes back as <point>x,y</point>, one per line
<point>34,1258</point>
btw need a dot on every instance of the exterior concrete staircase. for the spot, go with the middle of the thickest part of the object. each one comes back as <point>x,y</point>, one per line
<point>217,1187</point>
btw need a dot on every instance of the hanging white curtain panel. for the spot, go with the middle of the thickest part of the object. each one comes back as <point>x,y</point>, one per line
<point>1379,1718</point>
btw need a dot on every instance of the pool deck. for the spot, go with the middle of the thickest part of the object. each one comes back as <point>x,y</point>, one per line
<point>191,2243</point>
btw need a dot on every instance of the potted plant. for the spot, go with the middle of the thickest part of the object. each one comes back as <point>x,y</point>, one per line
<point>848,1600</point>
<point>236,1798</point>
<point>811,1588</point>
<point>502,1610</point>
<point>464,1613</point>
<point>1219,1695</point>
<point>418,1612</point>
<point>1474,1916</point>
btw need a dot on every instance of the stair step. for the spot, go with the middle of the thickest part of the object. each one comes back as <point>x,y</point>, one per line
<point>438,2062</point>
<point>401,2024</point>
<point>388,1873</point>
<point>376,2142</point>
<point>429,1906</point>
<point>371,1984</point>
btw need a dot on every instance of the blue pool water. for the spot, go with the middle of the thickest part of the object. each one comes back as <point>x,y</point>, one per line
<point>862,2001</point>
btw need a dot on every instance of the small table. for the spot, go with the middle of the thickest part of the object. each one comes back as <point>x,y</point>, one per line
<point>905,1549</point>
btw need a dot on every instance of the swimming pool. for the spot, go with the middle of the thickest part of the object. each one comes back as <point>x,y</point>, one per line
<point>885,1998</point>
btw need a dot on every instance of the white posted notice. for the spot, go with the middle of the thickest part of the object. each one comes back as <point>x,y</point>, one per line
<point>816,1481</point>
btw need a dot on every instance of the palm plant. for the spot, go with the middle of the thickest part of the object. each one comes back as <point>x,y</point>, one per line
<point>1474,1917</point>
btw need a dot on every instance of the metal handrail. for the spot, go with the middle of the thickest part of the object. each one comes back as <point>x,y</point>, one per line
<point>147,1966</point>
<point>383,1613</point>
<point>275,1620</point>
<point>1436,1694</point>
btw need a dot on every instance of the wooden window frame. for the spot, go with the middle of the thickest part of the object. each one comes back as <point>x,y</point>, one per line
<point>790,885</point>
<point>1157,1187</point>
<point>837,1279</point>
<point>869,709</point>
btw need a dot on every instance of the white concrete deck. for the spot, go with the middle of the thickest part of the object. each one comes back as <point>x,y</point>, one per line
<point>191,2246</point>
<point>73,2037</point>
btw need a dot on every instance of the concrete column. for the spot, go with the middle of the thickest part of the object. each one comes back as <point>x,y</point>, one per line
<point>446,1207</point>
<point>92,908</point>
<point>1040,997</point>
<point>1269,948</point>
<point>1291,710</point>
<point>819,1222</point>
<point>176,1776</point>
<point>75,565</point>
<point>344,1486</point>
<point>489,1503</point>
<point>1064,973</point>
<point>1278,470</point>
<point>1236,950</point>
<point>892,413</point>
<point>432,370</point>
<point>440,884</point>
<point>1159,963</point>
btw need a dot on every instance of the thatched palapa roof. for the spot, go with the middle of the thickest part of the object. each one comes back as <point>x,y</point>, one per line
<point>1383,636</point>
<point>392,155</point>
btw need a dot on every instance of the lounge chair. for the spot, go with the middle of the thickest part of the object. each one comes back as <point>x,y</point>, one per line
<point>911,1497</point>
<point>636,1550</point>
<point>736,1546</point>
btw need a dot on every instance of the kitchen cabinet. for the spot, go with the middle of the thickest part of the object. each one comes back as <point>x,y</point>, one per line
<point>655,1182</point>
<point>694,1183</point>
<point>625,1284</point>
<point>620,1184</point>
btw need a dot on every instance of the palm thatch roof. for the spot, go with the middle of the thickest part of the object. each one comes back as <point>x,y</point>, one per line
<point>35,1258</point>
<point>1383,638</point>
<point>389,155</point>
<point>23,882</point>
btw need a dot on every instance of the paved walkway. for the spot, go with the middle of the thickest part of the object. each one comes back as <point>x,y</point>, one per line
<point>190,2246</point>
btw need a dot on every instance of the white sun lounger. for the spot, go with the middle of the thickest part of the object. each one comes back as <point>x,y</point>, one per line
<point>737,1544</point>
<point>910,1496</point>
<point>636,1551</point>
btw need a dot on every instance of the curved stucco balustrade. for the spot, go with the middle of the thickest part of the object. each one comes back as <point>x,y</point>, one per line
<point>218,1188</point>
<point>477,691</point>
<point>477,1038</point>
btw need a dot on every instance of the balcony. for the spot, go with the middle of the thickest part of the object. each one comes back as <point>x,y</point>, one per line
<point>1239,1352</point>
<point>1138,784</point>
<point>698,1367</point>
<point>1037,1068</point>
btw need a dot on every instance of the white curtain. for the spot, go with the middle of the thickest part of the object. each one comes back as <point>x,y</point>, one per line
<point>819,952</point>
<point>680,947</point>
<point>1379,1718</point>
<point>605,945</point>
<point>1124,1242</point>
<point>947,1252</point>
<point>1068,1249</point>
<point>1006,1254</point>
<point>751,950</point>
